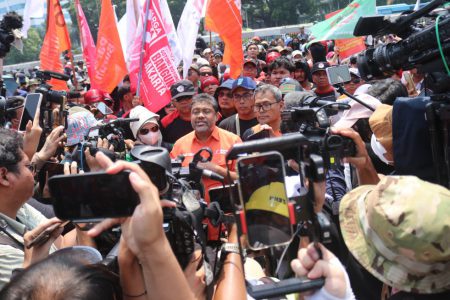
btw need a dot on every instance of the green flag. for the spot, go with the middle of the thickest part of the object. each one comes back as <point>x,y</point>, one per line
<point>341,25</point>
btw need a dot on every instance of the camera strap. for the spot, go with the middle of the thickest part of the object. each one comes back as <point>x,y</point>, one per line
<point>8,238</point>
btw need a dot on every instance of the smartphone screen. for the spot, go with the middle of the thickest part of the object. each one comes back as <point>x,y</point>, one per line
<point>338,74</point>
<point>222,196</point>
<point>264,199</point>
<point>92,196</point>
<point>31,105</point>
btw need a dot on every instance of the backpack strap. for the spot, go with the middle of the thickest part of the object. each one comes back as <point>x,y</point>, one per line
<point>7,238</point>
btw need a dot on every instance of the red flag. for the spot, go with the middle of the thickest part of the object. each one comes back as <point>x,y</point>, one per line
<point>56,41</point>
<point>110,64</point>
<point>87,42</point>
<point>159,71</point>
<point>224,17</point>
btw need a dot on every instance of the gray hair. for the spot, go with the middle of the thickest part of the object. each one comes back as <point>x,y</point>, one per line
<point>205,98</point>
<point>262,89</point>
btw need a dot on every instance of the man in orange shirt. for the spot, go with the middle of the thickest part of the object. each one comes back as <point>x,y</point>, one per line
<point>204,114</point>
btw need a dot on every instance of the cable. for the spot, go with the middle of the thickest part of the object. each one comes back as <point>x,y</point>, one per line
<point>438,39</point>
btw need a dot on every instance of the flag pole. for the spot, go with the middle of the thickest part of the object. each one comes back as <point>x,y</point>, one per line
<point>141,58</point>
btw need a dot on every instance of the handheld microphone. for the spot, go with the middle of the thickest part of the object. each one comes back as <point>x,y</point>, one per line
<point>212,175</point>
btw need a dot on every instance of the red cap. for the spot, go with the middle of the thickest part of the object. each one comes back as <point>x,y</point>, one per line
<point>93,96</point>
<point>210,80</point>
<point>250,60</point>
<point>271,56</point>
<point>256,38</point>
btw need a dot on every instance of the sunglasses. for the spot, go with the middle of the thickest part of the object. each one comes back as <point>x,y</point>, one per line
<point>170,105</point>
<point>206,73</point>
<point>145,131</point>
<point>354,80</point>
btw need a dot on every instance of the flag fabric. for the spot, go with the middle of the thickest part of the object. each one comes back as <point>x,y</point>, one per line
<point>171,33</point>
<point>348,47</point>
<point>32,9</point>
<point>341,25</point>
<point>158,70</point>
<point>188,30</point>
<point>54,43</point>
<point>224,17</point>
<point>110,67</point>
<point>87,43</point>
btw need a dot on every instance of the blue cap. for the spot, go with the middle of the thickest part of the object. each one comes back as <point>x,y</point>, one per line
<point>244,82</point>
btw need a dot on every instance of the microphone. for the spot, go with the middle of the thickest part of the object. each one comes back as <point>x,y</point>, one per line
<point>56,75</point>
<point>212,175</point>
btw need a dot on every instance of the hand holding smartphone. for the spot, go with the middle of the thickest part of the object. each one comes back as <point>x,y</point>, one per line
<point>45,235</point>
<point>31,106</point>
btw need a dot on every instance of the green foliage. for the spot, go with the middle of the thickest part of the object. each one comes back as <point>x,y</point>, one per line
<point>31,49</point>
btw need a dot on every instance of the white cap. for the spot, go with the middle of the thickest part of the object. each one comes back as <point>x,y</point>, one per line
<point>357,111</point>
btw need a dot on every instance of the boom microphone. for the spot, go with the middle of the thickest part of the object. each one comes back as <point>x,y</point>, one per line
<point>56,75</point>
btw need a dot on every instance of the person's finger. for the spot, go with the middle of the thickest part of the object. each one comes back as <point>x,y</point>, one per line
<point>104,161</point>
<point>141,186</point>
<point>105,144</point>
<point>123,165</point>
<point>104,225</point>
<point>168,203</point>
<point>36,117</point>
<point>74,167</point>
<point>111,147</point>
<point>298,268</point>
<point>99,143</point>
<point>66,168</point>
<point>32,234</point>
<point>320,269</point>
<point>305,259</point>
<point>28,126</point>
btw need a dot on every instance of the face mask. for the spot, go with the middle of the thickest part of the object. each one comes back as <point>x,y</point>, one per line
<point>151,138</point>
<point>379,150</point>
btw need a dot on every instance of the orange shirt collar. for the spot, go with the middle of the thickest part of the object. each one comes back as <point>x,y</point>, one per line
<point>214,135</point>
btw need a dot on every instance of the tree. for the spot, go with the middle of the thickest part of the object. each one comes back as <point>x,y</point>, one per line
<point>31,49</point>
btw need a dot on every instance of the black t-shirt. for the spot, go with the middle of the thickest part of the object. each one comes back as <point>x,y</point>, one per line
<point>230,124</point>
<point>176,129</point>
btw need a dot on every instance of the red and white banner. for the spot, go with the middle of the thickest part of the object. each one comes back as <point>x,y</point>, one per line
<point>87,42</point>
<point>158,71</point>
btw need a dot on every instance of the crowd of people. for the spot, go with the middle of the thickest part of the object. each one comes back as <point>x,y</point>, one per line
<point>390,230</point>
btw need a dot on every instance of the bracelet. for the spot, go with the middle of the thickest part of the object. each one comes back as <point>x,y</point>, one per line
<point>135,296</point>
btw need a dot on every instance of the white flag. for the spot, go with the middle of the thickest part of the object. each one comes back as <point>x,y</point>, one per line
<point>188,29</point>
<point>33,9</point>
<point>171,32</point>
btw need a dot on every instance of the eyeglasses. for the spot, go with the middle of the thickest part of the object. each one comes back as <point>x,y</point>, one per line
<point>31,167</point>
<point>170,105</point>
<point>354,80</point>
<point>264,106</point>
<point>206,73</point>
<point>225,94</point>
<point>145,131</point>
<point>205,112</point>
<point>245,97</point>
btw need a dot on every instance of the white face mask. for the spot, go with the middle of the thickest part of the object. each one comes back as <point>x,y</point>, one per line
<point>379,150</point>
<point>151,138</point>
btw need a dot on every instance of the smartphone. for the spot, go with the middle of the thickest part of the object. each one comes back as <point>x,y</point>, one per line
<point>259,135</point>
<point>221,195</point>
<point>338,74</point>
<point>31,105</point>
<point>44,236</point>
<point>262,192</point>
<point>92,197</point>
<point>49,169</point>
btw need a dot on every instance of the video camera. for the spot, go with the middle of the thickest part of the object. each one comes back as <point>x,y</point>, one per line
<point>310,117</point>
<point>425,45</point>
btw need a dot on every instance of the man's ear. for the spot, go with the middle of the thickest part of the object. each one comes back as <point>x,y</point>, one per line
<point>4,180</point>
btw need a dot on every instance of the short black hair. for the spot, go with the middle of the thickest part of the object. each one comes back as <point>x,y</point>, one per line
<point>282,62</point>
<point>122,91</point>
<point>11,145</point>
<point>205,98</point>
<point>251,44</point>
<point>301,65</point>
<point>387,90</point>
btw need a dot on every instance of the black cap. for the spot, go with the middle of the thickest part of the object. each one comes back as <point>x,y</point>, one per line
<point>319,66</point>
<point>182,88</point>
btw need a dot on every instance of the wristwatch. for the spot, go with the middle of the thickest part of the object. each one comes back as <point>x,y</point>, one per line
<point>229,248</point>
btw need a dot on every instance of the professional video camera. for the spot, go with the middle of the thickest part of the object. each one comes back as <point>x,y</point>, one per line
<point>426,48</point>
<point>421,47</point>
<point>310,116</point>
<point>52,99</point>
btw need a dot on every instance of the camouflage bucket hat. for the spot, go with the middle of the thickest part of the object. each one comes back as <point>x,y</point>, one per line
<point>399,230</point>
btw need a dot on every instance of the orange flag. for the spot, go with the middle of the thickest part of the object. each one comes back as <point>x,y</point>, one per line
<point>56,41</point>
<point>224,17</point>
<point>110,65</point>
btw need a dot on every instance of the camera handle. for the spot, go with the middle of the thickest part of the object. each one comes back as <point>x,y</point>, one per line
<point>342,91</point>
